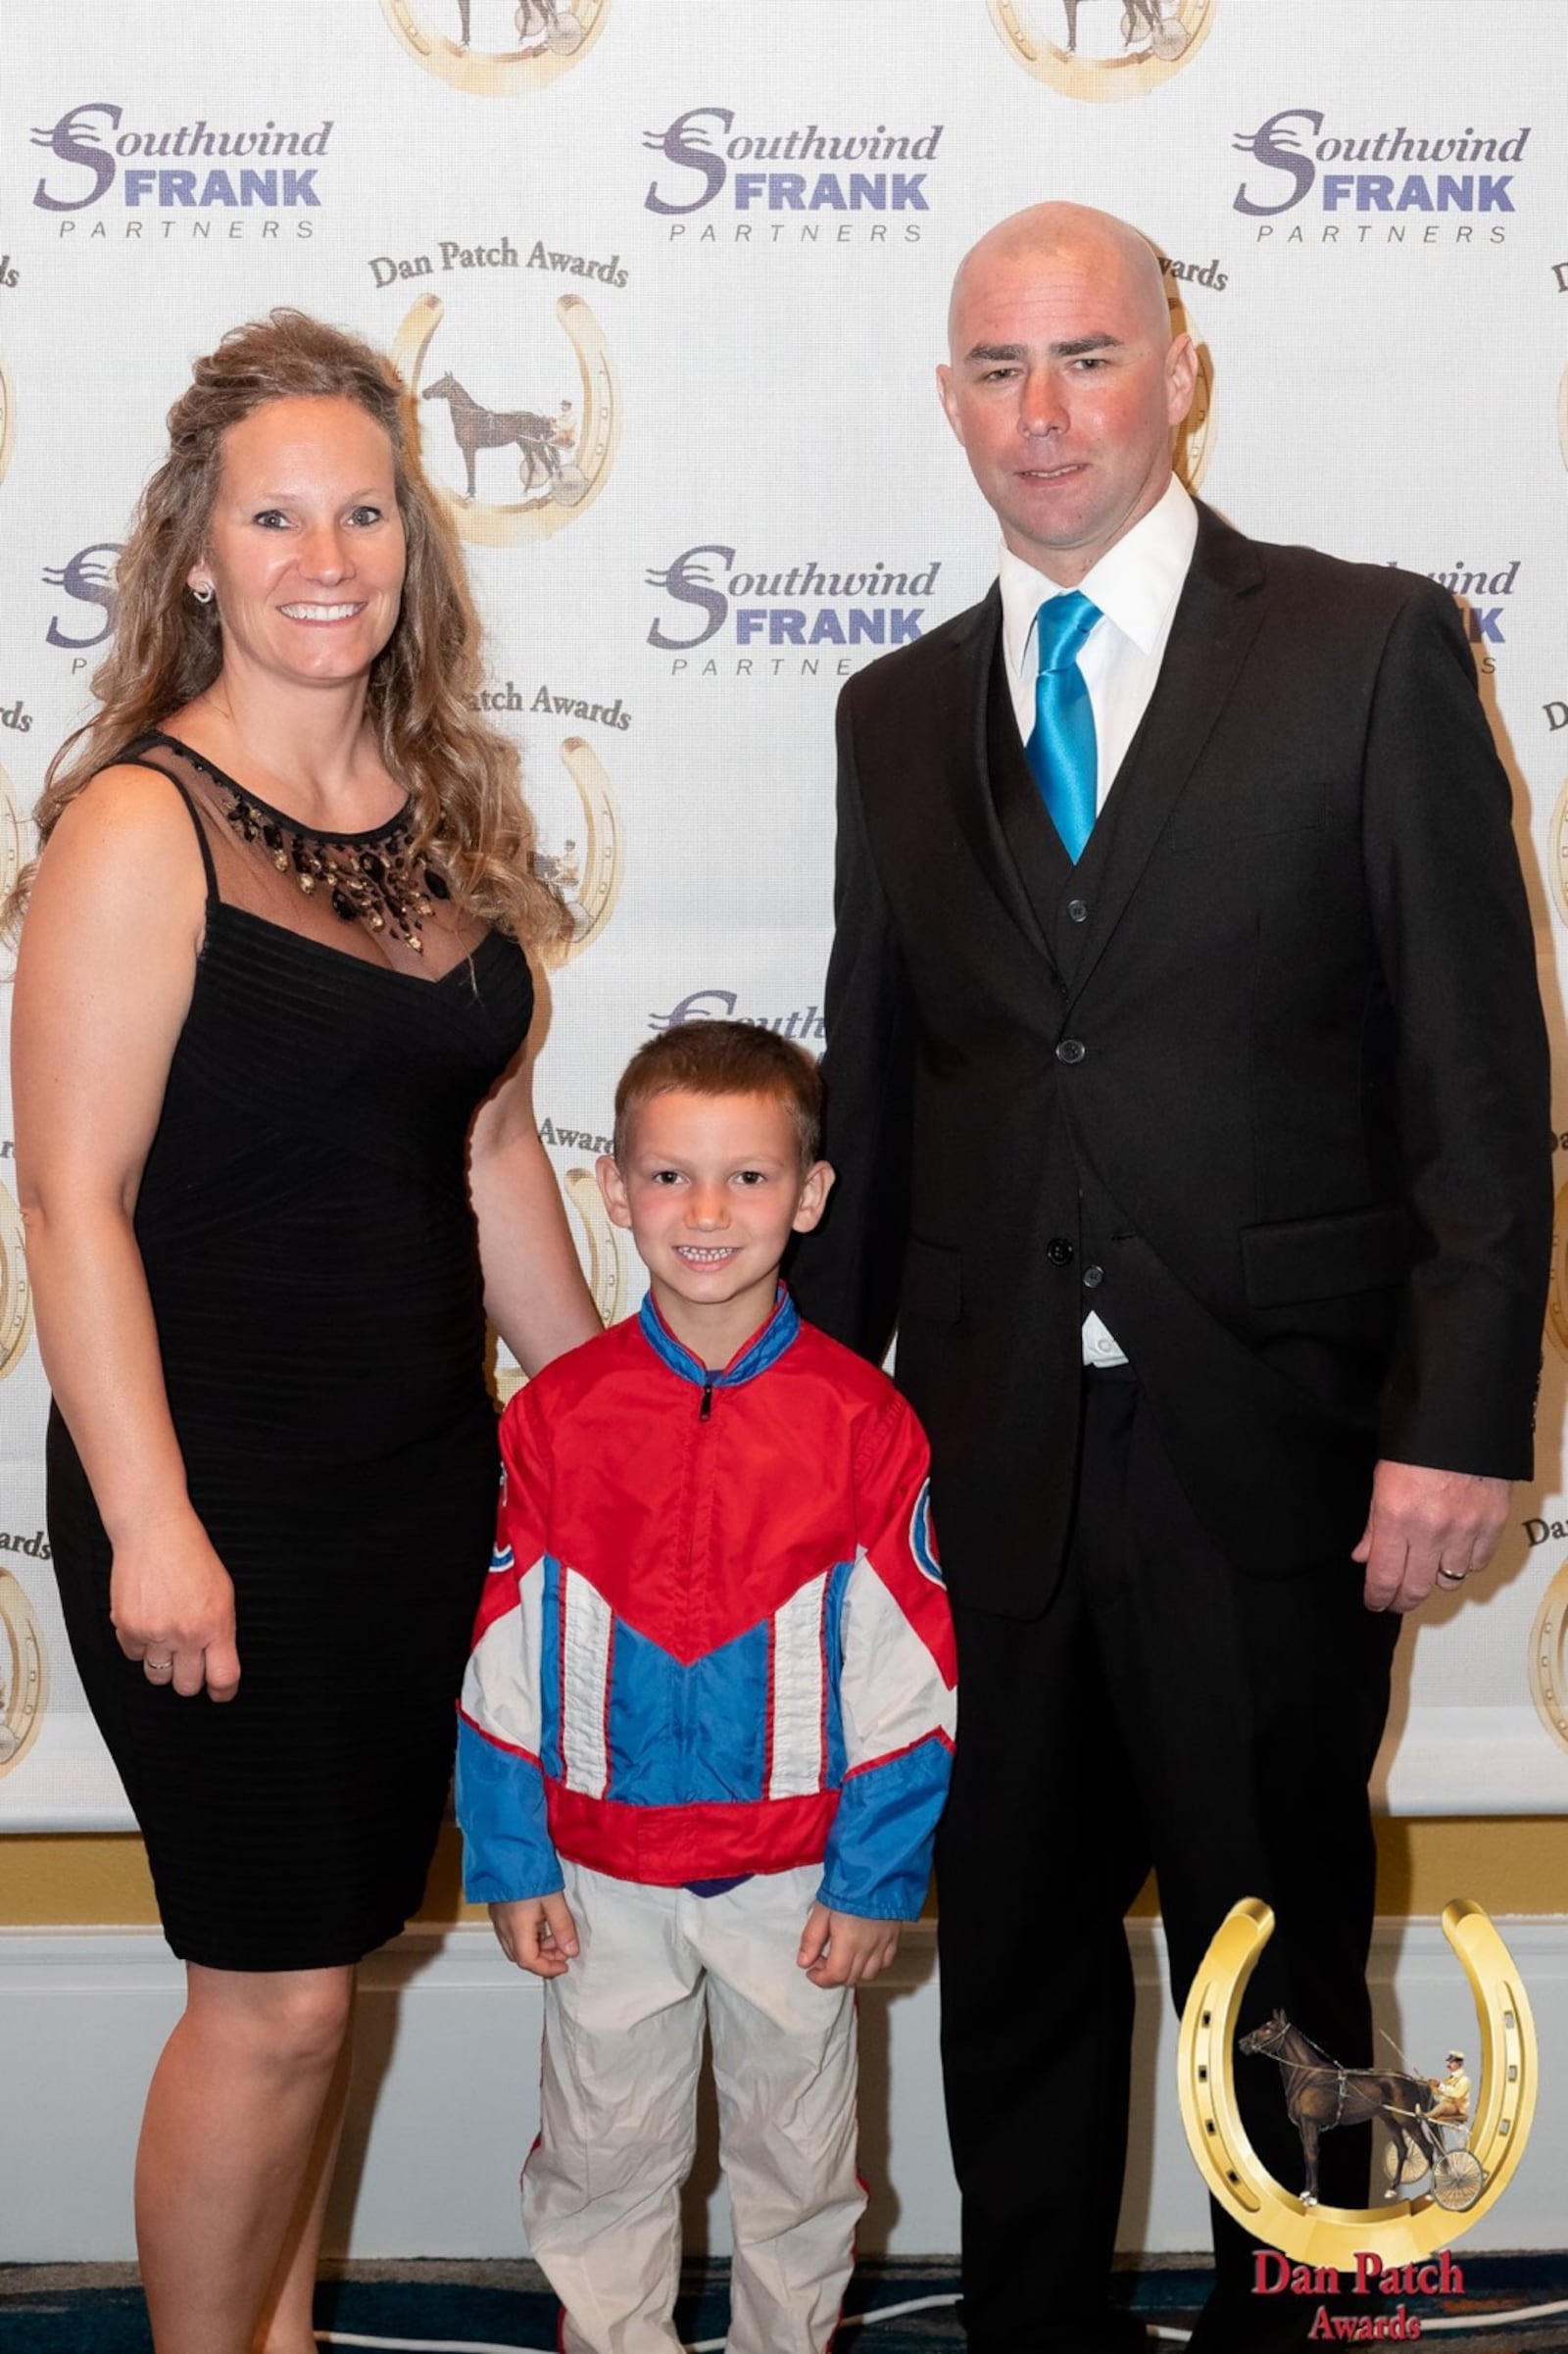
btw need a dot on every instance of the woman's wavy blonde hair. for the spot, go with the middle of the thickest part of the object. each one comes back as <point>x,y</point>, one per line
<point>462,776</point>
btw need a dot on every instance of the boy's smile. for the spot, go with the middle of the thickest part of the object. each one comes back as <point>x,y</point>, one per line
<point>712,1189</point>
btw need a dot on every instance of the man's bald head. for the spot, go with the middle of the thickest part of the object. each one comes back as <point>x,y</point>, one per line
<point>1065,382</point>
<point>1054,233</point>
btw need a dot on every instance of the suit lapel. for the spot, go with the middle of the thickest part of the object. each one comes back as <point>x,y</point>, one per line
<point>966,764</point>
<point>1217,618</point>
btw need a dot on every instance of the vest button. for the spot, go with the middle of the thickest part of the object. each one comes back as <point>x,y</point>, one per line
<point>1070,1050</point>
<point>1059,1251</point>
<point>1078,910</point>
<point>1092,1276</point>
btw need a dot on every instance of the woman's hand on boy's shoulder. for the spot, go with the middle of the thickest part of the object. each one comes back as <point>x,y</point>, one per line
<point>842,1950</point>
<point>537,1932</point>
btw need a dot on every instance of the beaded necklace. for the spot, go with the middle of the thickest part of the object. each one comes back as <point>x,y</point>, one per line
<point>375,878</point>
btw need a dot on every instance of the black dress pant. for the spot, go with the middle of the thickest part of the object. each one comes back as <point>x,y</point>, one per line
<point>1169,1710</point>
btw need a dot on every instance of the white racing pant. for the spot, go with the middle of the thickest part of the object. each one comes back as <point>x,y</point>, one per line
<point>617,2114</point>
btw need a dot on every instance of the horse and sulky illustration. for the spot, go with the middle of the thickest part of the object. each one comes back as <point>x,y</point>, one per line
<point>540,439</point>
<point>1320,2095</point>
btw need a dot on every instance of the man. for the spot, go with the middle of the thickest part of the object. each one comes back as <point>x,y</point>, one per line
<point>1452,2104</point>
<point>1188,1093</point>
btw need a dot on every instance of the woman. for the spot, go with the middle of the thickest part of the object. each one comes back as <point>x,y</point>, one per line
<point>272,1006</point>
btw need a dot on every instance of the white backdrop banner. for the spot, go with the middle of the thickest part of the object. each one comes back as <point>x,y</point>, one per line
<point>670,282</point>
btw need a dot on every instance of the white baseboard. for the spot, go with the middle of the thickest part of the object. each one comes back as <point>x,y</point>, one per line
<point>445,2101</point>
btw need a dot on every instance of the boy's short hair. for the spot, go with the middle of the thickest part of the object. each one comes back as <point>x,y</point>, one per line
<point>724,1059</point>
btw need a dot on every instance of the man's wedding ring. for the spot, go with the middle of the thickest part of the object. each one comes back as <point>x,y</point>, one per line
<point>158,1667</point>
<point>1451,1577</point>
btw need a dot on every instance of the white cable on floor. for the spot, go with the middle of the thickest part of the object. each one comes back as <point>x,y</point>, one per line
<point>891,2313</point>
<point>1495,2320</point>
<point>424,2346</point>
<point>1450,2321</point>
<point>704,2346</point>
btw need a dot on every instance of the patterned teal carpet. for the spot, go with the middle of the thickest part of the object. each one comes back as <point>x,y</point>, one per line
<point>502,2308</point>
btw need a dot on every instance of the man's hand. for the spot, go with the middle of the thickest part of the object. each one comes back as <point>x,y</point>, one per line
<point>537,1932</point>
<point>1425,1529</point>
<point>840,1950</point>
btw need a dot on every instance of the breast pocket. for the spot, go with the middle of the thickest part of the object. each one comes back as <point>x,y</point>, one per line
<point>1217,821</point>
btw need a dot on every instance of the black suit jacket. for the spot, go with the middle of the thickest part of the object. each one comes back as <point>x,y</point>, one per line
<point>1263,1079</point>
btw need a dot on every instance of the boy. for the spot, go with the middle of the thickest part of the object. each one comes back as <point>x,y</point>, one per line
<point>707,1727</point>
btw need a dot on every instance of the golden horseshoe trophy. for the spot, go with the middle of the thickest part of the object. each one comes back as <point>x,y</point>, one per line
<point>572,490</point>
<point>1403,2231</point>
<point>24,1674</point>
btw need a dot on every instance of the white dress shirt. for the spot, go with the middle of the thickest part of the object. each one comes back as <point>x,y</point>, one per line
<point>1136,585</point>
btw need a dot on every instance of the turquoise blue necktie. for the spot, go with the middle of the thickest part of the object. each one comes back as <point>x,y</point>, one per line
<point>1061,750</point>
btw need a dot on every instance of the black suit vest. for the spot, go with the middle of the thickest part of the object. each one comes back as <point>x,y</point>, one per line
<point>1060,894</point>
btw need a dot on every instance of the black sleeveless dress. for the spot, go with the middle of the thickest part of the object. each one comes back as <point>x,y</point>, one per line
<point>313,1265</point>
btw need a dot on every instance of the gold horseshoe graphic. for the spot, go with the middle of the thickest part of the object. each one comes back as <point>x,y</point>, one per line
<point>602,851</point>
<point>16,1292</point>
<point>607,1274</point>
<point>1404,2231</point>
<point>1560,820</point>
<point>1558,1291</point>
<point>10,830</point>
<point>509,526</point>
<point>26,1681</point>
<point>500,73</point>
<point>1548,1659</point>
<point>1195,440</point>
<point>607,1269</point>
<point>8,419</point>
<point>1099,78</point>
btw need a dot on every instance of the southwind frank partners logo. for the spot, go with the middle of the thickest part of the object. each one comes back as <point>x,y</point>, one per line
<point>801,185</point>
<point>88,578</point>
<point>778,621</point>
<point>801,1023</point>
<point>1385,185</point>
<point>162,182</point>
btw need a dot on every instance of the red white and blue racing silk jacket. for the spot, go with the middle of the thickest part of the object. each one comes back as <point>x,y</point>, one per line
<point>714,1638</point>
